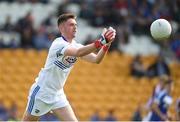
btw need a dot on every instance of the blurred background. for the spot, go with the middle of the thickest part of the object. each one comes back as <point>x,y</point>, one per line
<point>119,87</point>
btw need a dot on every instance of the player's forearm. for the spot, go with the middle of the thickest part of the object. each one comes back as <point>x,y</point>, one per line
<point>101,54</point>
<point>85,50</point>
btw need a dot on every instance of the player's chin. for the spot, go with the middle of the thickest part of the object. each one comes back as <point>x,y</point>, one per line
<point>74,35</point>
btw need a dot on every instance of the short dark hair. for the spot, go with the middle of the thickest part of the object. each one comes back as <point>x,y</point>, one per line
<point>64,17</point>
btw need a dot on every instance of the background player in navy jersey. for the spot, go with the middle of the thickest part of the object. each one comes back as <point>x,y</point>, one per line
<point>161,103</point>
<point>47,93</point>
<point>157,89</point>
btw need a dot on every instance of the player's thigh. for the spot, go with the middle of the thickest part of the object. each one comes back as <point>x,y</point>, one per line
<point>29,117</point>
<point>65,113</point>
<point>35,108</point>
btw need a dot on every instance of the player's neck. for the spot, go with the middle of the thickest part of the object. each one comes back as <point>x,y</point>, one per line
<point>66,38</point>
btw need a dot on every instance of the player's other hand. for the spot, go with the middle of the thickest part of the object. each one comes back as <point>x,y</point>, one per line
<point>108,35</point>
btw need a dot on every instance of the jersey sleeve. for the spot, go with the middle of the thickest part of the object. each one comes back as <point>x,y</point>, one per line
<point>64,48</point>
<point>77,45</point>
<point>67,45</point>
<point>61,46</point>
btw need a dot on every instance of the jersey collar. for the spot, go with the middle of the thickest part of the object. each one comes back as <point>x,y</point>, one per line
<point>64,38</point>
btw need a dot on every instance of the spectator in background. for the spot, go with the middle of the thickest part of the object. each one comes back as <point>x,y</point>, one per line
<point>62,7</point>
<point>26,30</point>
<point>141,23</point>
<point>48,21</point>
<point>176,11</point>
<point>137,69</point>
<point>12,112</point>
<point>110,116</point>
<point>122,8</point>
<point>175,45</point>
<point>8,26</point>
<point>85,11</point>
<point>41,40</point>
<point>158,68</point>
<point>98,17</point>
<point>137,116</point>
<point>3,112</point>
<point>95,116</point>
<point>1,41</point>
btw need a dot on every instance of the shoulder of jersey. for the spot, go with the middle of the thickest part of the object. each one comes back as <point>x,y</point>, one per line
<point>60,39</point>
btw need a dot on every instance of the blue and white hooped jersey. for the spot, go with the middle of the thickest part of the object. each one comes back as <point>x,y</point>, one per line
<point>52,77</point>
<point>163,100</point>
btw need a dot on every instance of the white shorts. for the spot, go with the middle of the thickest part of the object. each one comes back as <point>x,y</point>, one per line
<point>37,107</point>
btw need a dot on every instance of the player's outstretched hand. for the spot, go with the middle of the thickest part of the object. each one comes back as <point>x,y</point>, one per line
<point>108,35</point>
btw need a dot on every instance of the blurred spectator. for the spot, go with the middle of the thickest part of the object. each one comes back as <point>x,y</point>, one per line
<point>110,116</point>
<point>12,112</point>
<point>85,11</point>
<point>48,20</point>
<point>158,68</point>
<point>137,116</point>
<point>98,17</point>
<point>178,110</point>
<point>137,68</point>
<point>8,26</point>
<point>26,29</point>
<point>49,117</point>
<point>95,116</point>
<point>141,23</point>
<point>3,112</point>
<point>62,7</point>
<point>41,40</point>
<point>122,7</point>
<point>1,42</point>
<point>175,45</point>
<point>176,10</point>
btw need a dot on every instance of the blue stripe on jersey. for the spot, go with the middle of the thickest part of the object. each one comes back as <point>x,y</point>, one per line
<point>31,103</point>
<point>60,65</point>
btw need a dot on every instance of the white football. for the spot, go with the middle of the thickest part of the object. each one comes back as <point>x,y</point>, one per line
<point>160,29</point>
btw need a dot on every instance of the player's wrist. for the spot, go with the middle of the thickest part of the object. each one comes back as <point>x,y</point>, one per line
<point>98,44</point>
<point>105,48</point>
